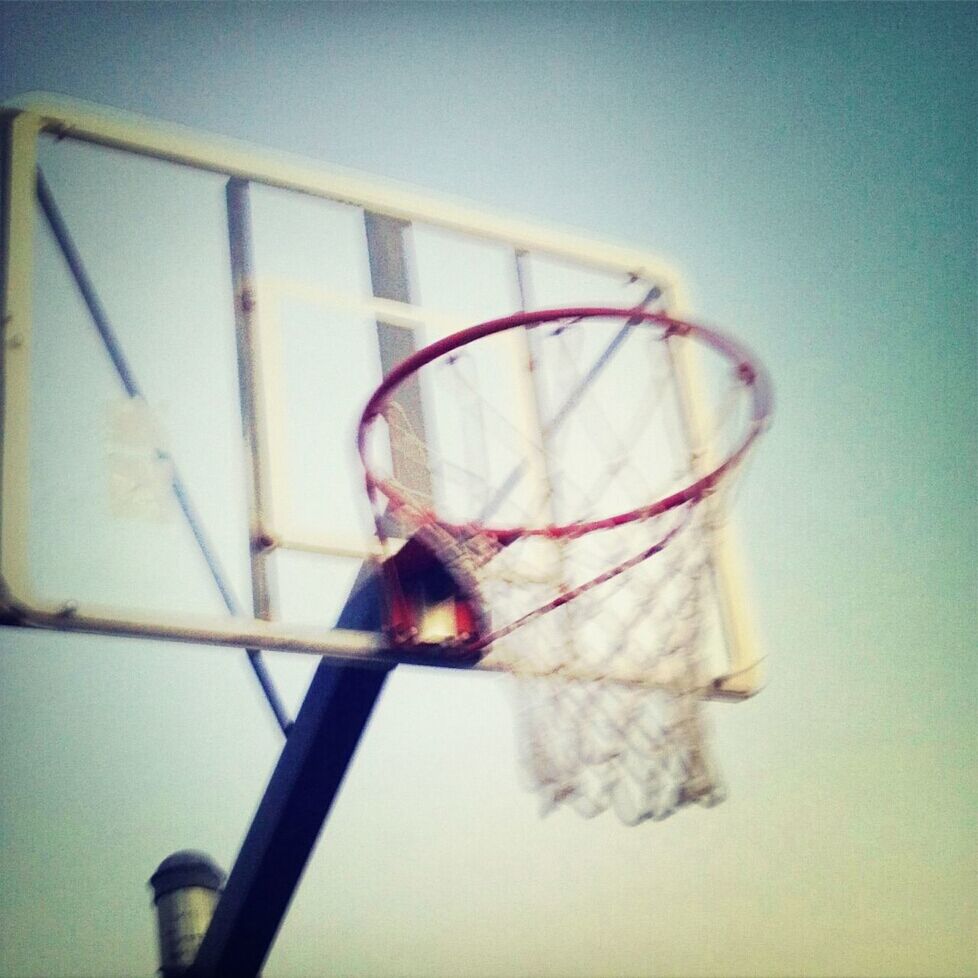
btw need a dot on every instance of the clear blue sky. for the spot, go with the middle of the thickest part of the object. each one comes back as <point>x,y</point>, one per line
<point>811,170</point>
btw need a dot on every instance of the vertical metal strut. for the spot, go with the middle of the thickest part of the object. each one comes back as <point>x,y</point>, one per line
<point>252,416</point>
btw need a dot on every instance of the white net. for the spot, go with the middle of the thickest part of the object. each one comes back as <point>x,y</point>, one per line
<point>557,429</point>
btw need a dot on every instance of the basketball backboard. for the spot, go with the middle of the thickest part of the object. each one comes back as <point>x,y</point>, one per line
<point>169,296</point>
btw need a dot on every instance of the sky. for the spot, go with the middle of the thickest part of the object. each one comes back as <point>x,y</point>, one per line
<point>811,172</point>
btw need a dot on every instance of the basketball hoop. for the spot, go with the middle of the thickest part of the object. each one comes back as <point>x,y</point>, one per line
<point>572,498</point>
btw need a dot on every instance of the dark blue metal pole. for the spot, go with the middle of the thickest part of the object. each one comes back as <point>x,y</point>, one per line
<point>297,800</point>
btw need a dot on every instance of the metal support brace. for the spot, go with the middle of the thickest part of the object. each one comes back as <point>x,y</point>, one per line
<point>390,279</point>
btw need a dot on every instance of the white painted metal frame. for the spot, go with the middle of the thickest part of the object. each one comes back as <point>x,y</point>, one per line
<point>30,116</point>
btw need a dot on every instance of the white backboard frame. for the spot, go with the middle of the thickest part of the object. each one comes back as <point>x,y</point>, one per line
<point>25,121</point>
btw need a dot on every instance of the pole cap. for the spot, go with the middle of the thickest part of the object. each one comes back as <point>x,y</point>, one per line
<point>184,869</point>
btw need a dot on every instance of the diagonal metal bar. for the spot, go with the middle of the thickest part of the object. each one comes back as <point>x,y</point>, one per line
<point>552,426</point>
<point>570,402</point>
<point>126,376</point>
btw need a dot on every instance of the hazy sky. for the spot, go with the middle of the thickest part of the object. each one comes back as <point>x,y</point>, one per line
<point>811,170</point>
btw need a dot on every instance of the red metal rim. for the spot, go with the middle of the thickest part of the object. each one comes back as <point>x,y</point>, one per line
<point>748,369</point>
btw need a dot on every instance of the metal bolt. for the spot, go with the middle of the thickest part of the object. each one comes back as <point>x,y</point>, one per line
<point>264,542</point>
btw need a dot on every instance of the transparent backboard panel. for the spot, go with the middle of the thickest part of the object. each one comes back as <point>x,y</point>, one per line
<point>103,525</point>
